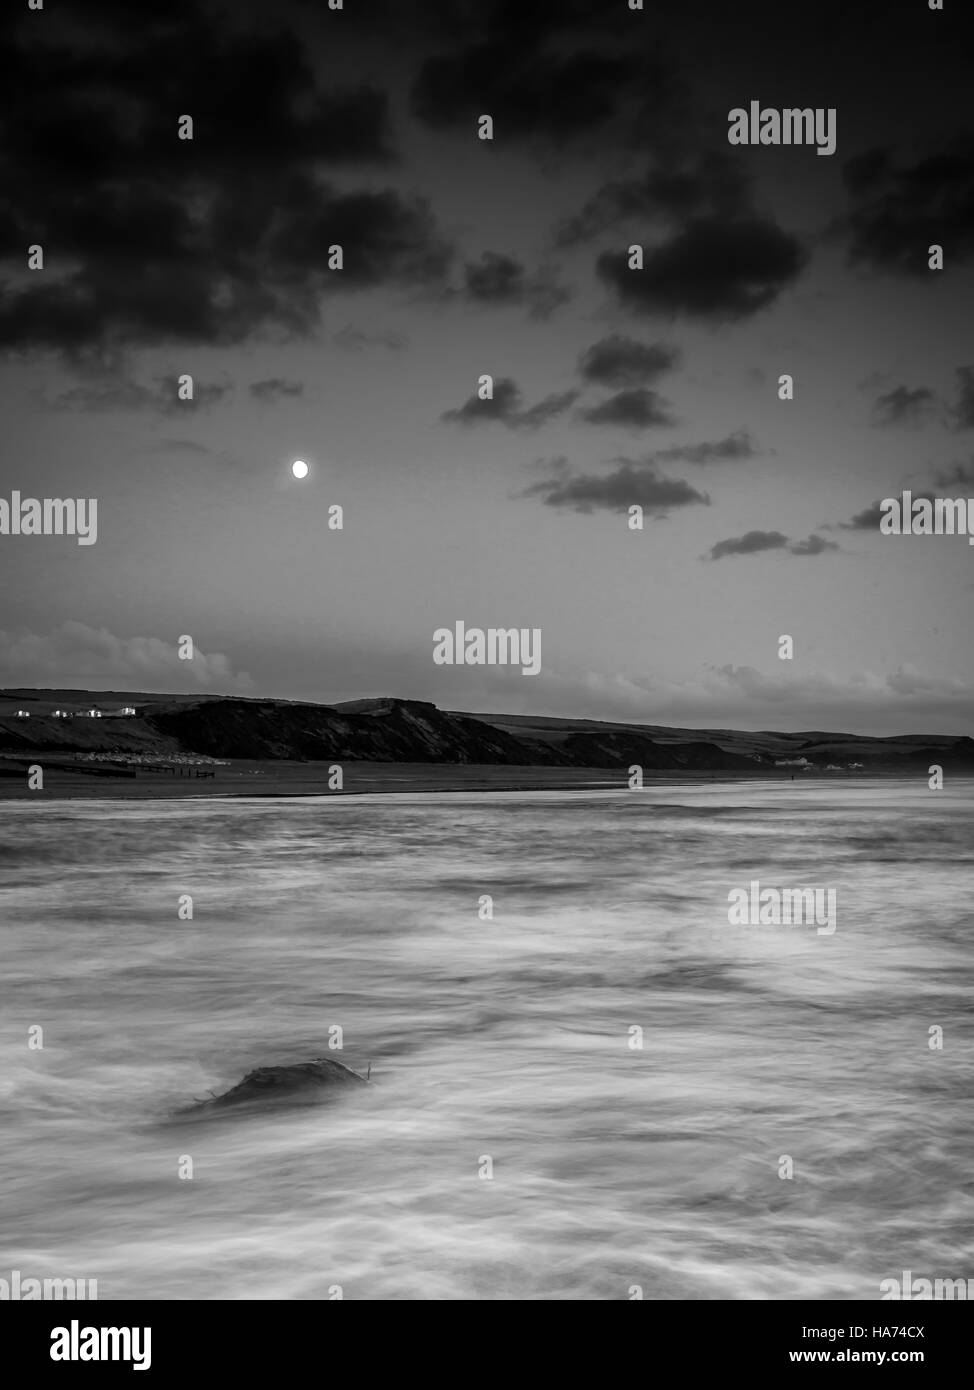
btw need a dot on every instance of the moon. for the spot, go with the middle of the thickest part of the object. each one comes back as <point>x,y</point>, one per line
<point>299,468</point>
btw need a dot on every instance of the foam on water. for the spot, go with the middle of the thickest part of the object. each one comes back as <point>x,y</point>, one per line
<point>508,1037</point>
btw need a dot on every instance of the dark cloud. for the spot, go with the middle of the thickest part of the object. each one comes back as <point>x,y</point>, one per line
<point>712,185</point>
<point>869,518</point>
<point>545,410</point>
<point>112,103</point>
<point>506,406</point>
<point>543,77</point>
<point>899,211</point>
<point>731,449</point>
<point>276,388</point>
<point>502,280</point>
<point>566,95</point>
<point>495,279</point>
<point>524,23</point>
<point>751,543</point>
<point>638,408</point>
<point>904,404</point>
<point>152,273</point>
<point>866,172</point>
<point>151,239</point>
<point>386,238</point>
<point>621,361</point>
<point>866,520</point>
<point>756,542</point>
<point>711,269</point>
<point>628,485</point>
<point>813,545</point>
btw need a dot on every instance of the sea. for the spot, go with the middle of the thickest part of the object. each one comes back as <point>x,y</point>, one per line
<point>585,1082</point>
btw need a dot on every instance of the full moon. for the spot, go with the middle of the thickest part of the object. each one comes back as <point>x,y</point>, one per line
<point>299,468</point>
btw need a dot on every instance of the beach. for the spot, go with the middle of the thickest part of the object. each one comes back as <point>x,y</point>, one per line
<point>265,777</point>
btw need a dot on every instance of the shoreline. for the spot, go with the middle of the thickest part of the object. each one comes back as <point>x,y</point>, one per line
<point>266,780</point>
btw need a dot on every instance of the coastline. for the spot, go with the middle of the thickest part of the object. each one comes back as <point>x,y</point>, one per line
<point>274,780</point>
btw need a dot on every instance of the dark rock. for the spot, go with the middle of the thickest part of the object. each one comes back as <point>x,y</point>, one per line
<point>300,1083</point>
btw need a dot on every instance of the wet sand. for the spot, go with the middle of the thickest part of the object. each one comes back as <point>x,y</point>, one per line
<point>241,777</point>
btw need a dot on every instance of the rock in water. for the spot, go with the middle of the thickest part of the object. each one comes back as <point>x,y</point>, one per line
<point>300,1083</point>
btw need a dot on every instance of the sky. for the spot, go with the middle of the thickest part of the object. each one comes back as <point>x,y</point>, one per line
<point>659,387</point>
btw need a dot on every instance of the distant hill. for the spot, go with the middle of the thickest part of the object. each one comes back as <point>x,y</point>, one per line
<point>695,747</point>
<point>388,729</point>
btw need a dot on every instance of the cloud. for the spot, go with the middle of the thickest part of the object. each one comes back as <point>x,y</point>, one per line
<point>904,404</point>
<point>75,652</point>
<point>150,239</point>
<point>124,394</point>
<point>555,74</point>
<point>194,62</point>
<point>501,280</point>
<point>506,407</point>
<point>712,185</point>
<point>158,277</point>
<point>276,388</point>
<point>869,518</point>
<point>751,543</point>
<point>559,100</point>
<point>628,485</point>
<point>120,395</point>
<point>866,520</point>
<point>731,449</point>
<point>495,279</point>
<point>710,269</point>
<point>899,211</point>
<point>638,408</point>
<point>544,411</point>
<point>813,545</point>
<point>755,542</point>
<point>621,361</point>
<point>387,238</point>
